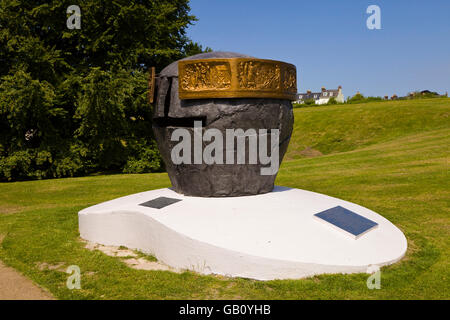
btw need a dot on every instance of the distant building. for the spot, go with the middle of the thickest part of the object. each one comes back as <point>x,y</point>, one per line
<point>322,97</point>
<point>426,93</point>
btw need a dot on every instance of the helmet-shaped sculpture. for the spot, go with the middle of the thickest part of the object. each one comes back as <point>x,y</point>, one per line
<point>223,90</point>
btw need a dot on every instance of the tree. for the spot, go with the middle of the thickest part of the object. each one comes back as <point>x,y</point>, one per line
<point>74,101</point>
<point>114,34</point>
<point>332,100</point>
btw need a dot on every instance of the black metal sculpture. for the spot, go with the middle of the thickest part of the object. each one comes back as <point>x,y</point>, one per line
<point>216,78</point>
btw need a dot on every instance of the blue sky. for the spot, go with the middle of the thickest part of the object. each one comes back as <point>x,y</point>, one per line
<point>329,42</point>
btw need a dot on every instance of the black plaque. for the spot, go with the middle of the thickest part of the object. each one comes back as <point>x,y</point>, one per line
<point>159,203</point>
<point>346,220</point>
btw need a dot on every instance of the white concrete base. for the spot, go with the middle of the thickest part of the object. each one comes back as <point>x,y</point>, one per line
<point>268,236</point>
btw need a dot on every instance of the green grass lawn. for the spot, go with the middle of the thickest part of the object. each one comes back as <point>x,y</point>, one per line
<point>391,157</point>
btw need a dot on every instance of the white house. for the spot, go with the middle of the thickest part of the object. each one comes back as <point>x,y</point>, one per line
<point>322,97</point>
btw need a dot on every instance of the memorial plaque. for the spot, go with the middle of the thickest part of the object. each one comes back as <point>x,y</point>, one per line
<point>159,203</point>
<point>345,220</point>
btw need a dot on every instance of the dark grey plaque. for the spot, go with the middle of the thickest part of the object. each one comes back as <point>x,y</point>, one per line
<point>346,220</point>
<point>159,203</point>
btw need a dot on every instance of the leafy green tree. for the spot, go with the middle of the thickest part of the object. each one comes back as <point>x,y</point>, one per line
<point>75,101</point>
<point>28,114</point>
<point>112,111</point>
<point>119,34</point>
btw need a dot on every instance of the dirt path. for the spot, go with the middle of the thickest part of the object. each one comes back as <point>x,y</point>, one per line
<point>14,286</point>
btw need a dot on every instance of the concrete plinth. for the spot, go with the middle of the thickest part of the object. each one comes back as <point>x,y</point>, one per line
<point>264,237</point>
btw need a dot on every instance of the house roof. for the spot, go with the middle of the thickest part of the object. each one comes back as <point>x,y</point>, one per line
<point>306,96</point>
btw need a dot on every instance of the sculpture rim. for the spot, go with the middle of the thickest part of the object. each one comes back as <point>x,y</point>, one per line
<point>236,77</point>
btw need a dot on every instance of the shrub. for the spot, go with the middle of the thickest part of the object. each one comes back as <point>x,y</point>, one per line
<point>359,98</point>
<point>149,160</point>
<point>17,166</point>
<point>310,102</point>
<point>69,166</point>
<point>332,101</point>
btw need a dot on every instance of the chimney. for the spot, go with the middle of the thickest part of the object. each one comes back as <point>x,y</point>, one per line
<point>323,89</point>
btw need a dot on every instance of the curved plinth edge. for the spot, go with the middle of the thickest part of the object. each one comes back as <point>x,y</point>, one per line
<point>264,237</point>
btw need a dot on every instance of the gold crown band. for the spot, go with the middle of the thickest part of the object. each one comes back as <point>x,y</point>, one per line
<point>236,78</point>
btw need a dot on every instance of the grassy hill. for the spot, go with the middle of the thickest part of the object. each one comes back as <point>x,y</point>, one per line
<point>332,129</point>
<point>392,157</point>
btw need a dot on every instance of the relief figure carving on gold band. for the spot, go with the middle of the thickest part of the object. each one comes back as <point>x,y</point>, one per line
<point>236,78</point>
<point>206,76</point>
<point>259,75</point>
